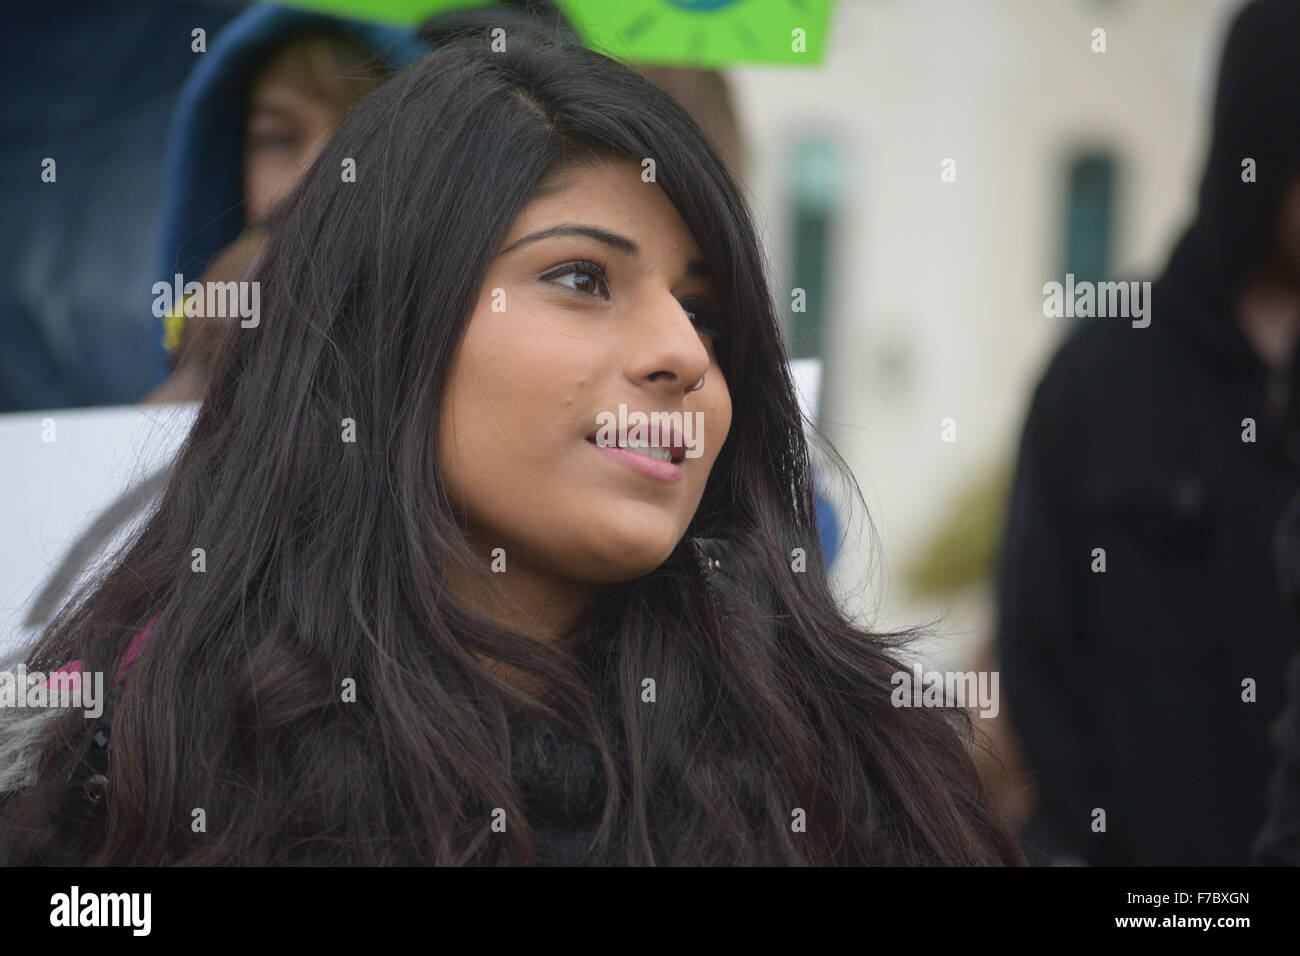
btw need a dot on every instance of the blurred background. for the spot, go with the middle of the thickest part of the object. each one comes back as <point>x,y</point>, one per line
<point>932,307</point>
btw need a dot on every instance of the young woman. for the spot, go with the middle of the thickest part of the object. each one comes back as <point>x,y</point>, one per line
<point>406,605</point>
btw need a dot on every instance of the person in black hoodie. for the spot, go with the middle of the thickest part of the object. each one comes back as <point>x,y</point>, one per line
<point>1142,638</point>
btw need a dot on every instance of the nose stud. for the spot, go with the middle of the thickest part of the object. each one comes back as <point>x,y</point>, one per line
<point>696,388</point>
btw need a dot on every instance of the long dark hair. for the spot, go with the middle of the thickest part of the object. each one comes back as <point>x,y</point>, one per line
<point>328,560</point>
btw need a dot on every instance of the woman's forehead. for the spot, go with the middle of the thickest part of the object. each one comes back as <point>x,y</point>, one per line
<point>613,196</point>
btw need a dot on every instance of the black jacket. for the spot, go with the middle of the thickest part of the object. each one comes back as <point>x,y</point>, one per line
<point>561,779</point>
<point>1278,843</point>
<point>1126,687</point>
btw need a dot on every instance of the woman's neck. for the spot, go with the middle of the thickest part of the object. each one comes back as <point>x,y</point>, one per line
<point>544,607</point>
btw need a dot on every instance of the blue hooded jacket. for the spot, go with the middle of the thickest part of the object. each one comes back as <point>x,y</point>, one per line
<point>203,202</point>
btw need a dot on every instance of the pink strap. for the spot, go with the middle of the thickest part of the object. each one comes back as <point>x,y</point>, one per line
<point>135,647</point>
<point>128,658</point>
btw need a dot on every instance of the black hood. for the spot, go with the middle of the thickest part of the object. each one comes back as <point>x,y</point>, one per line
<point>1256,116</point>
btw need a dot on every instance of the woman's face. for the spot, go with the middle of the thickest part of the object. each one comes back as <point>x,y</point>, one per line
<point>588,306</point>
<point>287,129</point>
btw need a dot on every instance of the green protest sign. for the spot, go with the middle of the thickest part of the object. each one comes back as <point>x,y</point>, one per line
<point>670,32</point>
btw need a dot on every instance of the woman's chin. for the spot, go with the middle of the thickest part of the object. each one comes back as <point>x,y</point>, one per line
<point>625,555</point>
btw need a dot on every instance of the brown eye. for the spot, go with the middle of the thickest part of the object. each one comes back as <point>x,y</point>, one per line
<point>587,278</point>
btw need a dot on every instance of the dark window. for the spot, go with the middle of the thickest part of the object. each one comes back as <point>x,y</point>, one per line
<point>815,179</point>
<point>1089,220</point>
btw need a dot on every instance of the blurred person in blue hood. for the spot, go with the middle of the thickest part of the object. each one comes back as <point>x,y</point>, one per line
<point>252,117</point>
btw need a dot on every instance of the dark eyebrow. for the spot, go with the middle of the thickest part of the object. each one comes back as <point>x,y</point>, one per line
<point>621,243</point>
<point>696,268</point>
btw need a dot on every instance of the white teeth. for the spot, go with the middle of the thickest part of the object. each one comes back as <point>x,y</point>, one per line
<point>663,454</point>
<point>644,448</point>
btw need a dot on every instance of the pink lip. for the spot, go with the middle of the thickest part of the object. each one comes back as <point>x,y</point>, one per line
<point>663,470</point>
